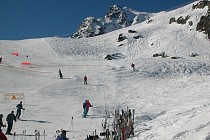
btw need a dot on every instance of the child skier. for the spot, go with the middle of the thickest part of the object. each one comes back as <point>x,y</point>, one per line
<point>85,80</point>
<point>133,66</point>
<point>86,106</point>
<point>60,74</point>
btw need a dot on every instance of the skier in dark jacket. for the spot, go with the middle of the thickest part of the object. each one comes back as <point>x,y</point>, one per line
<point>0,59</point>
<point>60,74</point>
<point>19,107</point>
<point>2,136</point>
<point>62,136</point>
<point>10,118</point>
<point>85,80</point>
<point>86,106</point>
<point>133,66</point>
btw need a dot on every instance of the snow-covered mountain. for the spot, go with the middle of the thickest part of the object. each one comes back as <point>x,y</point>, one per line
<point>116,18</point>
<point>169,89</point>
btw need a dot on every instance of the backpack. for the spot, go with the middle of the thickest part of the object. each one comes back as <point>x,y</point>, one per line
<point>84,105</point>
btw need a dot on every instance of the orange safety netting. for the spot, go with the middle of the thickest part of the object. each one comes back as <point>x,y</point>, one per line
<point>14,53</point>
<point>26,63</point>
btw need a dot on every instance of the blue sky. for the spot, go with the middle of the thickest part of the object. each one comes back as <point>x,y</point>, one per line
<point>26,19</point>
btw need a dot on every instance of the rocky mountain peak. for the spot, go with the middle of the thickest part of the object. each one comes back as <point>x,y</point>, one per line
<point>116,18</point>
<point>115,12</point>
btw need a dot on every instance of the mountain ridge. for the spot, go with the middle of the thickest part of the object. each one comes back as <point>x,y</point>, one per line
<point>117,17</point>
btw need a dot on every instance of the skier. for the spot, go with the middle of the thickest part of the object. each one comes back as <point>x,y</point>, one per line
<point>0,59</point>
<point>85,80</point>
<point>86,106</point>
<point>2,136</point>
<point>19,107</point>
<point>62,136</point>
<point>10,118</point>
<point>133,66</point>
<point>60,74</point>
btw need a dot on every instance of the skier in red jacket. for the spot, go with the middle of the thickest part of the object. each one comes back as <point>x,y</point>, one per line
<point>85,80</point>
<point>86,106</point>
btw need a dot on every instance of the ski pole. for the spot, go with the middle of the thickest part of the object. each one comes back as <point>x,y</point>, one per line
<point>25,135</point>
<point>22,134</point>
<point>72,123</point>
<point>23,113</point>
<point>44,134</point>
<point>36,132</point>
<point>13,126</point>
<point>4,129</point>
<point>72,127</point>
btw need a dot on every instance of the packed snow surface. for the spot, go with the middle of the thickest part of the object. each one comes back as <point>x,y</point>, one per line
<point>170,96</point>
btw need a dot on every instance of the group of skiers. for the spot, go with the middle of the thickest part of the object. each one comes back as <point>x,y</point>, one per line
<point>11,117</point>
<point>86,104</point>
<point>61,76</point>
<point>85,77</point>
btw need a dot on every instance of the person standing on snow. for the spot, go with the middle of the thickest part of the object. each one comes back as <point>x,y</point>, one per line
<point>2,136</point>
<point>19,107</point>
<point>60,74</point>
<point>85,80</point>
<point>62,136</point>
<point>0,59</point>
<point>10,118</point>
<point>86,106</point>
<point>133,66</point>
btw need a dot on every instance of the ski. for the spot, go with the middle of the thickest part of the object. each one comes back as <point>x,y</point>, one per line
<point>29,135</point>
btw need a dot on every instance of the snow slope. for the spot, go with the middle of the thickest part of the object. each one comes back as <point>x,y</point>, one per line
<point>170,96</point>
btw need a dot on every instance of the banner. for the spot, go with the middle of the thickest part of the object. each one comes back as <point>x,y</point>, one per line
<point>13,96</point>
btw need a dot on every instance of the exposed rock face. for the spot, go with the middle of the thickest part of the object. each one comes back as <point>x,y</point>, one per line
<point>202,4</point>
<point>204,23</point>
<point>116,18</point>
<point>180,20</point>
<point>90,27</point>
<point>121,37</point>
